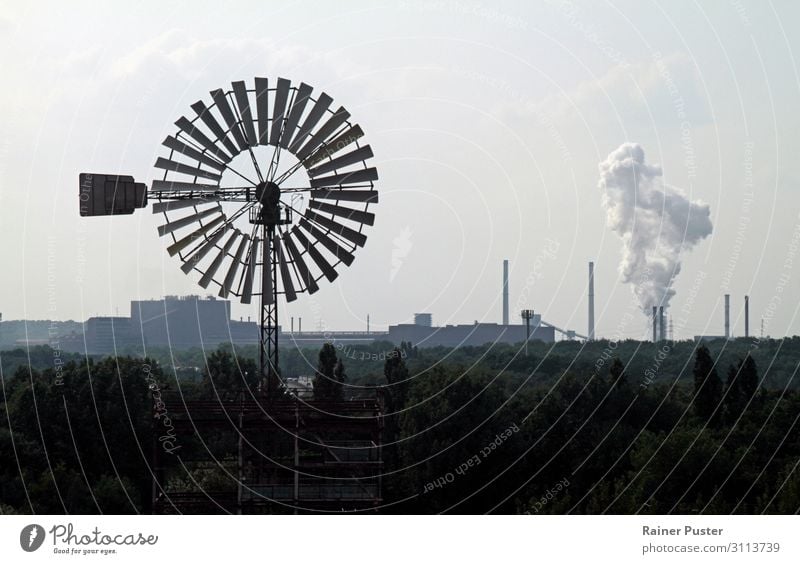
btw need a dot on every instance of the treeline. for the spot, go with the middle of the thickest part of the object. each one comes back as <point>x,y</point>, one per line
<point>39,358</point>
<point>15,330</point>
<point>625,435</point>
<point>544,362</point>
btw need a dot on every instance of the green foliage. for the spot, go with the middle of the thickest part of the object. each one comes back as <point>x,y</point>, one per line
<point>707,385</point>
<point>329,380</point>
<point>78,440</point>
<point>552,432</point>
<point>228,376</point>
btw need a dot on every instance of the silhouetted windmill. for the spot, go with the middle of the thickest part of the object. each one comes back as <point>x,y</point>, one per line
<point>234,208</point>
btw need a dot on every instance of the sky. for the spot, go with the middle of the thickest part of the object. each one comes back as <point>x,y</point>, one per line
<point>488,121</point>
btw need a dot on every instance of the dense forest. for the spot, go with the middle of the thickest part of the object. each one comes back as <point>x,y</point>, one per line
<point>599,427</point>
<point>777,359</point>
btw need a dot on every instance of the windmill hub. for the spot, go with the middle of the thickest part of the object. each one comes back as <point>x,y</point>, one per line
<point>268,194</point>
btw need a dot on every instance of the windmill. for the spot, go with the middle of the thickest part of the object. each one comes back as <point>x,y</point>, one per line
<point>265,190</point>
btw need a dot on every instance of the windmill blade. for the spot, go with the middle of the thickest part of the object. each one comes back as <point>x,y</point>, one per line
<point>167,164</point>
<point>345,232</point>
<point>328,128</point>
<point>281,97</point>
<point>305,275</point>
<point>188,220</point>
<point>368,196</point>
<point>346,213</point>
<point>221,100</point>
<point>348,137</point>
<point>181,244</point>
<point>172,205</point>
<point>286,277</point>
<point>314,116</point>
<point>359,155</point>
<point>202,250</point>
<point>267,294</point>
<point>205,116</point>
<point>262,110</point>
<point>188,127</point>
<point>357,176</point>
<point>338,251</point>
<point>217,262</point>
<point>176,186</point>
<point>249,272</point>
<point>179,146</point>
<point>234,268</point>
<point>243,102</point>
<point>329,272</point>
<point>300,100</point>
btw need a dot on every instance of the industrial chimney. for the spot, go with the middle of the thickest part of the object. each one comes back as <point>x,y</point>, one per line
<point>655,324</point>
<point>727,316</point>
<point>591,301</point>
<point>661,327</point>
<point>747,316</point>
<point>505,292</point>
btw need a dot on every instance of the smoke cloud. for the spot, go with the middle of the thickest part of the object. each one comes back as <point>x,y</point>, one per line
<point>656,222</point>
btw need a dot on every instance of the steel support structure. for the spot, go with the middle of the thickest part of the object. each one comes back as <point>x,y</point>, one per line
<point>269,311</point>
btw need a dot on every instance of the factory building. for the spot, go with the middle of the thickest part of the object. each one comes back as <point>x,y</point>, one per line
<point>188,321</point>
<point>467,335</point>
<point>179,322</point>
<point>107,334</point>
<point>422,333</point>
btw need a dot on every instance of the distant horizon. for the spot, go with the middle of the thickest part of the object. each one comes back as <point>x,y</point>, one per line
<point>385,328</point>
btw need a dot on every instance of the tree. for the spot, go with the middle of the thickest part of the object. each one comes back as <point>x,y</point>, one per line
<point>733,394</point>
<point>617,373</point>
<point>326,384</point>
<point>742,384</point>
<point>226,376</point>
<point>396,374</point>
<point>707,385</point>
<point>339,378</point>
<point>748,376</point>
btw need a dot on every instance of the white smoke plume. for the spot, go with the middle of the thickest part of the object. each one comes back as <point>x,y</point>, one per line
<point>656,222</point>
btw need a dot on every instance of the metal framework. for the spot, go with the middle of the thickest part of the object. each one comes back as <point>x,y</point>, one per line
<point>280,456</point>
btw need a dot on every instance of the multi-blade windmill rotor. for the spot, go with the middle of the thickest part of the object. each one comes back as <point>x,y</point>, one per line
<point>264,192</point>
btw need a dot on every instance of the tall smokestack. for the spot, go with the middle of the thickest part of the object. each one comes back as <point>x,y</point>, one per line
<point>655,324</point>
<point>727,316</point>
<point>505,292</point>
<point>661,324</point>
<point>591,301</point>
<point>747,316</point>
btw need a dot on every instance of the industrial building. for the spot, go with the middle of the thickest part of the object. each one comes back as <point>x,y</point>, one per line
<point>191,321</point>
<point>468,335</point>
<point>188,321</point>
<point>179,322</point>
<point>183,322</point>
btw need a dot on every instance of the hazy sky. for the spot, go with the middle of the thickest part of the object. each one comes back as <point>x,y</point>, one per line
<point>488,123</point>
